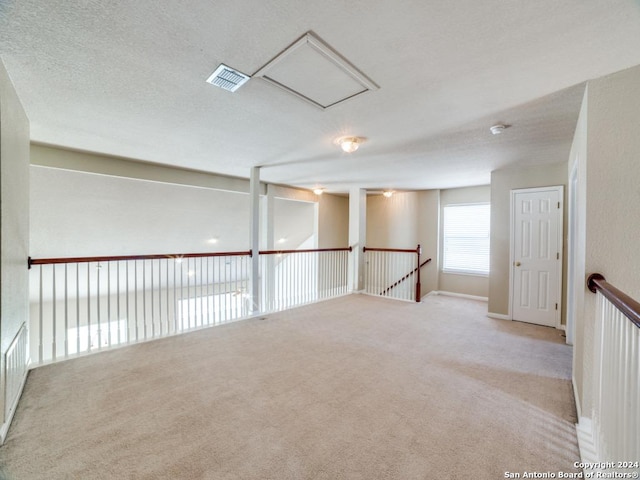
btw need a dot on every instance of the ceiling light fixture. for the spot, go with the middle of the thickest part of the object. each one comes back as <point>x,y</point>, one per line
<point>318,190</point>
<point>388,193</point>
<point>497,129</point>
<point>213,240</point>
<point>349,144</point>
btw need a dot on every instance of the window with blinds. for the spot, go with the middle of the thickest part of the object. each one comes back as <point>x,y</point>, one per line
<point>466,238</point>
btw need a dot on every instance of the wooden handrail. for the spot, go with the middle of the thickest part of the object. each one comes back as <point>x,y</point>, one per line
<point>397,250</point>
<point>622,301</point>
<point>48,261</point>
<point>417,251</point>
<point>406,276</point>
<point>309,250</point>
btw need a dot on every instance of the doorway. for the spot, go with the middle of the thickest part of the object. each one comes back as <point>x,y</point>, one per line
<point>536,255</point>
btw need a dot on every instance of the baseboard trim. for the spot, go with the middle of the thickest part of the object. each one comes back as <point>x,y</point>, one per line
<point>4,429</point>
<point>584,431</point>
<point>498,316</point>
<point>459,295</point>
<point>576,397</point>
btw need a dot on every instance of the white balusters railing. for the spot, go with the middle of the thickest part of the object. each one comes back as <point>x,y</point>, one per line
<point>616,409</point>
<point>84,305</point>
<point>296,277</point>
<point>393,273</point>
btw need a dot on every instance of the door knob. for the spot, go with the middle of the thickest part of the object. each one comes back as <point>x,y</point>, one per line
<point>517,264</point>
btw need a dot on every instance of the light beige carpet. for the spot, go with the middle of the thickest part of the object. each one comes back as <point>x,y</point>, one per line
<point>353,388</point>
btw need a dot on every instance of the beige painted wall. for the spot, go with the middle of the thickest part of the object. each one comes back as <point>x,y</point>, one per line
<point>428,238</point>
<point>14,226</point>
<point>475,285</point>
<point>392,222</point>
<point>333,221</point>
<point>121,207</point>
<point>577,248</point>
<point>56,157</point>
<point>502,182</point>
<point>612,199</point>
<point>411,218</point>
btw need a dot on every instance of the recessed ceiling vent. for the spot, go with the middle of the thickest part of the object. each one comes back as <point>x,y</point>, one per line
<point>227,78</point>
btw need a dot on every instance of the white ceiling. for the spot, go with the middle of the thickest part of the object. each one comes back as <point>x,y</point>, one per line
<point>127,78</point>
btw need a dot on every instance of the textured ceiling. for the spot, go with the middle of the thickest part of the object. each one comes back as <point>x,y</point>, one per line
<point>127,78</point>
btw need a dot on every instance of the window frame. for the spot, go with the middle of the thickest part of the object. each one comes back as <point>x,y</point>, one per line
<point>462,271</point>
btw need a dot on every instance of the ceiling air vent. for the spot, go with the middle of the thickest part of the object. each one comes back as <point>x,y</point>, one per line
<point>227,78</point>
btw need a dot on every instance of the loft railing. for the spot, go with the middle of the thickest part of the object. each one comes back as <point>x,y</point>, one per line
<point>406,277</point>
<point>388,270</point>
<point>616,409</point>
<point>87,304</point>
<point>295,277</point>
<point>82,305</point>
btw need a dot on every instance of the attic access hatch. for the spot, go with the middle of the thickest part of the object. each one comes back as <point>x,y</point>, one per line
<point>311,70</point>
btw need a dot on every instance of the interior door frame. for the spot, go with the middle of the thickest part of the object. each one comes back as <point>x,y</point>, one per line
<point>512,213</point>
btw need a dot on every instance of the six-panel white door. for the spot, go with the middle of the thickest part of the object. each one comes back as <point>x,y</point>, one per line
<point>537,255</point>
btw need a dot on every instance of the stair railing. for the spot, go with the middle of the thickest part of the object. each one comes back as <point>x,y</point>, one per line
<point>387,271</point>
<point>616,409</point>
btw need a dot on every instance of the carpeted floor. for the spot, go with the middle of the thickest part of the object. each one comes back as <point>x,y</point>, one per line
<point>352,388</point>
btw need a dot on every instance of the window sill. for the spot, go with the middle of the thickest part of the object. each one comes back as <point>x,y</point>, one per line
<point>465,273</point>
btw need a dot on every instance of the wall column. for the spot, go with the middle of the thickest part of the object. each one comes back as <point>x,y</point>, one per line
<point>14,247</point>
<point>254,239</point>
<point>268,241</point>
<point>357,236</point>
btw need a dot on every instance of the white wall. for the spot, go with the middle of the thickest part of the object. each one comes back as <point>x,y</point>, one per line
<point>14,227</point>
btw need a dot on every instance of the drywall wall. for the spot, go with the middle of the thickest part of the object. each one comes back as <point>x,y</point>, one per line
<point>576,240</point>
<point>476,285</point>
<point>56,157</point>
<point>90,204</point>
<point>75,214</point>
<point>502,182</point>
<point>612,198</point>
<point>333,221</point>
<point>14,227</point>
<point>428,237</point>
<point>392,222</point>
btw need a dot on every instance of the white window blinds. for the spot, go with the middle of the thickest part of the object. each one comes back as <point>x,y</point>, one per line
<point>466,238</point>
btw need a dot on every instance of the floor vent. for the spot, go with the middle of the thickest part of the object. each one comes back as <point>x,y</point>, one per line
<point>227,78</point>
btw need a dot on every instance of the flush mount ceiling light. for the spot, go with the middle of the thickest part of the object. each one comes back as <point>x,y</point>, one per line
<point>388,193</point>
<point>349,144</point>
<point>227,78</point>
<point>497,129</point>
<point>318,190</point>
